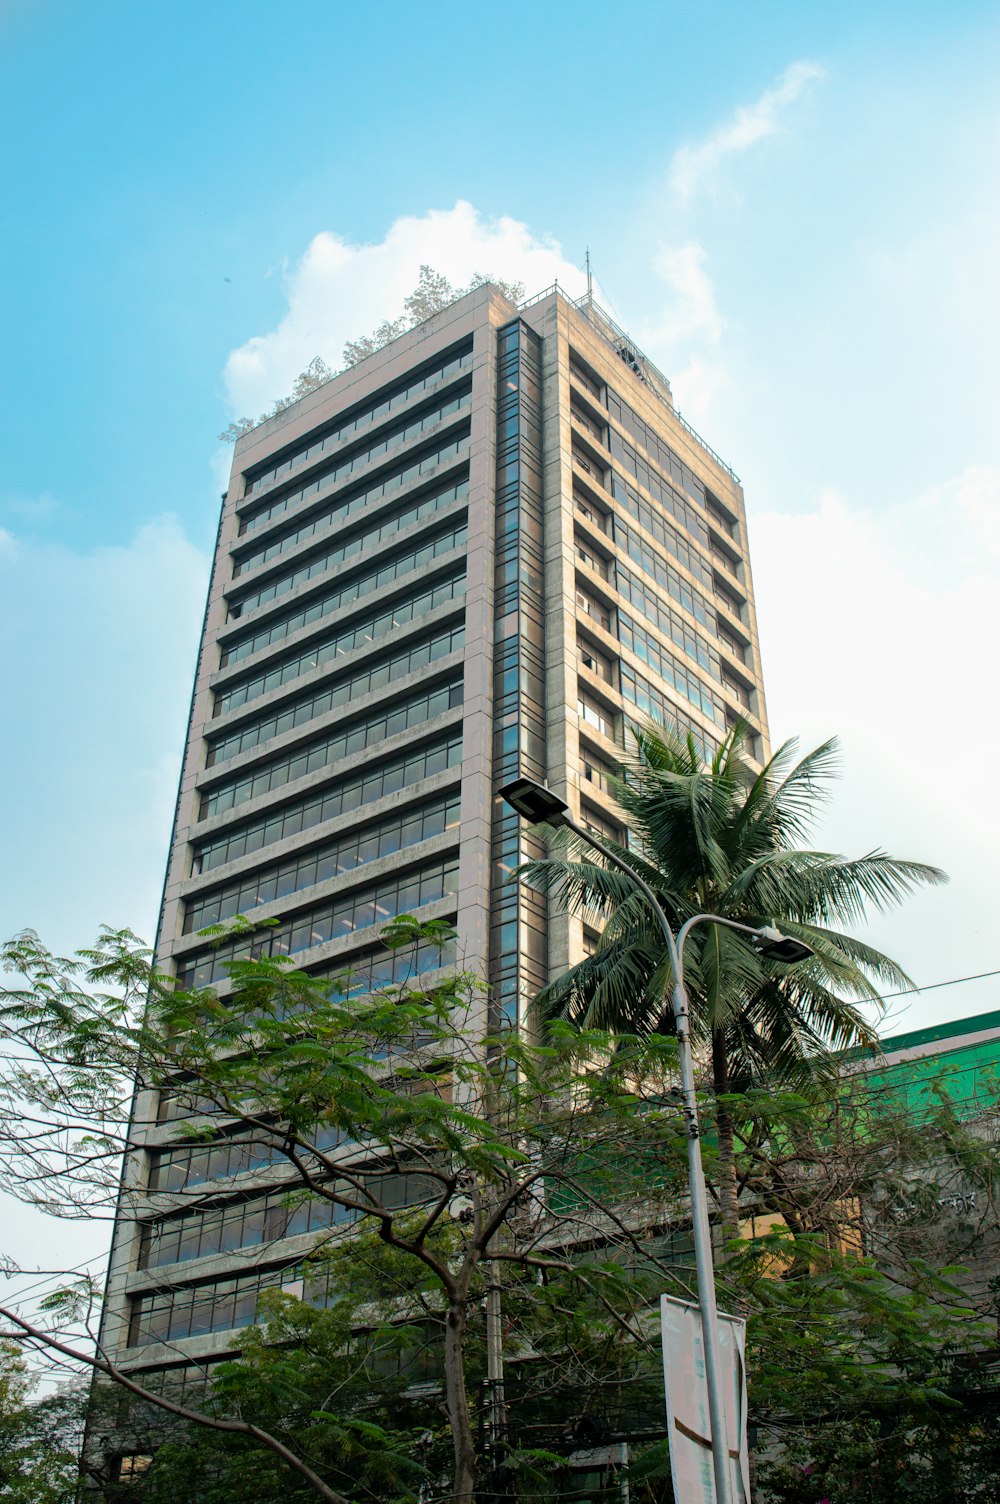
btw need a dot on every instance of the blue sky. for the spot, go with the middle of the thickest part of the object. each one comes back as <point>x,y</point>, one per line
<point>793,208</point>
<point>172,158</point>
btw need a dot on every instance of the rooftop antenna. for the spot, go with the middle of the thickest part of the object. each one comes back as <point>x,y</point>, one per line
<point>590,282</point>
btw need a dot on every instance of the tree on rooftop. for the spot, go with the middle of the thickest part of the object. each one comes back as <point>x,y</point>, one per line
<point>432,293</point>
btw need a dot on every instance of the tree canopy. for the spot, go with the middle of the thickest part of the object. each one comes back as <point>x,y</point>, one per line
<point>727,839</point>
<point>434,1180</point>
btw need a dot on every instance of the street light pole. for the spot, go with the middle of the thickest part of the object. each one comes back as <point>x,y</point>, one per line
<point>538,804</point>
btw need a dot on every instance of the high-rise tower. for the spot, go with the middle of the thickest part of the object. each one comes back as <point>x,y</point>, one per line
<point>478,553</point>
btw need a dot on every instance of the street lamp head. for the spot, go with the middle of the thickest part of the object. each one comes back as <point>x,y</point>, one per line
<point>534,801</point>
<point>778,947</point>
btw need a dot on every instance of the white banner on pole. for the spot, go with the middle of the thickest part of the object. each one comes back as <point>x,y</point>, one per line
<point>686,1385</point>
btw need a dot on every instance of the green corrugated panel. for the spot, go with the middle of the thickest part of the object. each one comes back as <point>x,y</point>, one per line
<point>969,1075</point>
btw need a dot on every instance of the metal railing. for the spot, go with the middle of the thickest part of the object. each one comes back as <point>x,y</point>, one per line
<point>626,349</point>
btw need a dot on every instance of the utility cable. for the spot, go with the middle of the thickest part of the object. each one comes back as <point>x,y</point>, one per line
<point>930,986</point>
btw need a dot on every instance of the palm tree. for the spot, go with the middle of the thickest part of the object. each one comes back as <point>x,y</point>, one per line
<point>725,840</point>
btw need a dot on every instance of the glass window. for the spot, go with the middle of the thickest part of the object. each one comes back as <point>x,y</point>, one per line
<point>252,733</point>
<point>343,915</point>
<point>351,459</point>
<point>414,712</point>
<point>596,716</point>
<point>279,628</point>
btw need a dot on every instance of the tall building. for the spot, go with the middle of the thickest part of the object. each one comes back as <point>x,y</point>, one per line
<point>474,555</point>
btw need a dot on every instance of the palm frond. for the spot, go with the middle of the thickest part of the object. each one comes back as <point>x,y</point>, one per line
<point>728,839</point>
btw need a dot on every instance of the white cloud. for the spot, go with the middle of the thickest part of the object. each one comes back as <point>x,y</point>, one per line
<point>692,311</point>
<point>99,650</point>
<point>685,334</point>
<point>28,508</point>
<point>339,291</point>
<point>693,167</point>
<point>881,629</point>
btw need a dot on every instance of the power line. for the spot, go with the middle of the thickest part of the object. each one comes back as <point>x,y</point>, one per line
<point>951,982</point>
<point>53,1276</point>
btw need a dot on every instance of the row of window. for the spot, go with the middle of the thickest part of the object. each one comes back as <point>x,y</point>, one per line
<point>352,849</point>
<point>671,670</point>
<point>652,702</point>
<point>360,543</point>
<point>412,712</point>
<point>265,1219</point>
<point>226,1229</point>
<point>355,461</point>
<point>227,1304</point>
<point>196,1310</point>
<point>351,793</point>
<point>680,509</point>
<point>324,605</point>
<point>370,413</point>
<point>655,564</point>
<point>182,1100</point>
<point>339,513</point>
<point>660,452</point>
<point>183,1383</point>
<point>329,649</point>
<point>663,531</point>
<point>374,676</point>
<point>235,1154</point>
<point>655,610</point>
<point>338,917</point>
<point>192,1164</point>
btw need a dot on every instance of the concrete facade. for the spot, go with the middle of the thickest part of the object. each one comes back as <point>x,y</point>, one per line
<point>487,546</point>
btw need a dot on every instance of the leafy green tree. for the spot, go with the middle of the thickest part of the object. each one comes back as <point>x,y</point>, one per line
<point>872,1313</point>
<point>546,1183</point>
<point>476,1164</point>
<point>432,293</point>
<point>316,374</point>
<point>726,839</point>
<point>40,1439</point>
